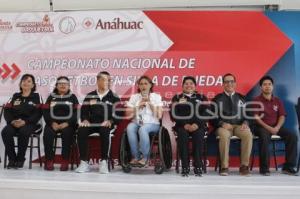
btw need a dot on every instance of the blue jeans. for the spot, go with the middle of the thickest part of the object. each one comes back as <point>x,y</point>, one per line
<point>133,131</point>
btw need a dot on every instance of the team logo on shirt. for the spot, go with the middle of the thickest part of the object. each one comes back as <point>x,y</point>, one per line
<point>275,108</point>
<point>241,104</point>
<point>108,102</point>
<point>31,103</point>
<point>182,100</point>
<point>93,101</point>
<point>17,102</point>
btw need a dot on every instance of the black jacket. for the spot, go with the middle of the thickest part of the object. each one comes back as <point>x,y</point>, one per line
<point>96,111</point>
<point>61,106</point>
<point>188,112</point>
<point>25,108</point>
<point>226,107</point>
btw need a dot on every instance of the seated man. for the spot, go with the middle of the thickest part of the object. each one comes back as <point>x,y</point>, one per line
<point>232,121</point>
<point>97,116</point>
<point>269,122</point>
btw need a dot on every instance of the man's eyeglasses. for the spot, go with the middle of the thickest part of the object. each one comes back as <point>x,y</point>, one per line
<point>229,81</point>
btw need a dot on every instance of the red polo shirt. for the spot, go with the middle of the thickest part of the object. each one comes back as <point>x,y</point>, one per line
<point>273,109</point>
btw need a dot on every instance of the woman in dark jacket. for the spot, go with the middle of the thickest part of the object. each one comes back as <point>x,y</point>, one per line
<point>22,114</point>
<point>60,113</point>
<point>189,111</point>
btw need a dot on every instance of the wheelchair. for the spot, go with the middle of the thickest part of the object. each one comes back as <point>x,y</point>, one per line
<point>160,151</point>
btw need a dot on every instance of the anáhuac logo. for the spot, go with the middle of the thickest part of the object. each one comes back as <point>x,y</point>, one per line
<point>36,27</point>
<point>5,26</point>
<point>88,23</point>
<point>118,24</point>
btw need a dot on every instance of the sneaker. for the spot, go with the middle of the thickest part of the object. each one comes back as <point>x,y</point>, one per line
<point>49,165</point>
<point>197,171</point>
<point>224,172</point>
<point>244,170</point>
<point>185,172</point>
<point>289,171</point>
<point>64,165</point>
<point>11,165</point>
<point>83,167</point>
<point>103,167</point>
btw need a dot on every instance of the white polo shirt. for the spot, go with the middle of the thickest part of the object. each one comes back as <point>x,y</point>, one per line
<point>145,114</point>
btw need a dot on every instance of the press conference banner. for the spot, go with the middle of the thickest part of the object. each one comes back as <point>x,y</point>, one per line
<point>166,45</point>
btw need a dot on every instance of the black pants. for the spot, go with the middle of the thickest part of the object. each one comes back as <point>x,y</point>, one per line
<point>23,135</point>
<point>290,140</point>
<point>67,139</point>
<point>82,140</point>
<point>183,146</point>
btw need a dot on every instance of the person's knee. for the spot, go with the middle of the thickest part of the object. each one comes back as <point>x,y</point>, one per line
<point>82,132</point>
<point>292,137</point>
<point>48,132</point>
<point>223,134</point>
<point>26,131</point>
<point>143,131</point>
<point>247,136</point>
<point>7,131</point>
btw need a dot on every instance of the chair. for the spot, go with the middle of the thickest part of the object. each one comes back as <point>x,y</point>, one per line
<point>204,161</point>
<point>274,139</point>
<point>31,146</point>
<point>74,158</point>
<point>96,136</point>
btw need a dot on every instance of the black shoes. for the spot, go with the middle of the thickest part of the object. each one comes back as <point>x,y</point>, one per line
<point>15,164</point>
<point>289,171</point>
<point>185,172</point>
<point>11,165</point>
<point>198,171</point>
<point>20,164</point>
<point>265,172</point>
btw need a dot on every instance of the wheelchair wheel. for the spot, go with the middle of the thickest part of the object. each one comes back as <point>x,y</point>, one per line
<point>165,148</point>
<point>125,154</point>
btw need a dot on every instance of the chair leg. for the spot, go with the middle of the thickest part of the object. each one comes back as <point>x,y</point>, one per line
<point>39,151</point>
<point>112,160</point>
<point>298,166</point>
<point>217,158</point>
<point>205,157</point>
<point>72,156</point>
<point>55,145</point>
<point>253,156</point>
<point>5,159</point>
<point>274,155</point>
<point>30,155</point>
<point>177,158</point>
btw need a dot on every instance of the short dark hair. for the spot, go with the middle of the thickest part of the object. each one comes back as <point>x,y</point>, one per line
<point>146,78</point>
<point>226,75</point>
<point>189,78</point>
<point>59,78</point>
<point>25,77</point>
<point>102,73</point>
<point>264,78</point>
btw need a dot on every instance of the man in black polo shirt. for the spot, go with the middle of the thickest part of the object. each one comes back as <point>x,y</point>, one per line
<point>230,121</point>
<point>269,122</point>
